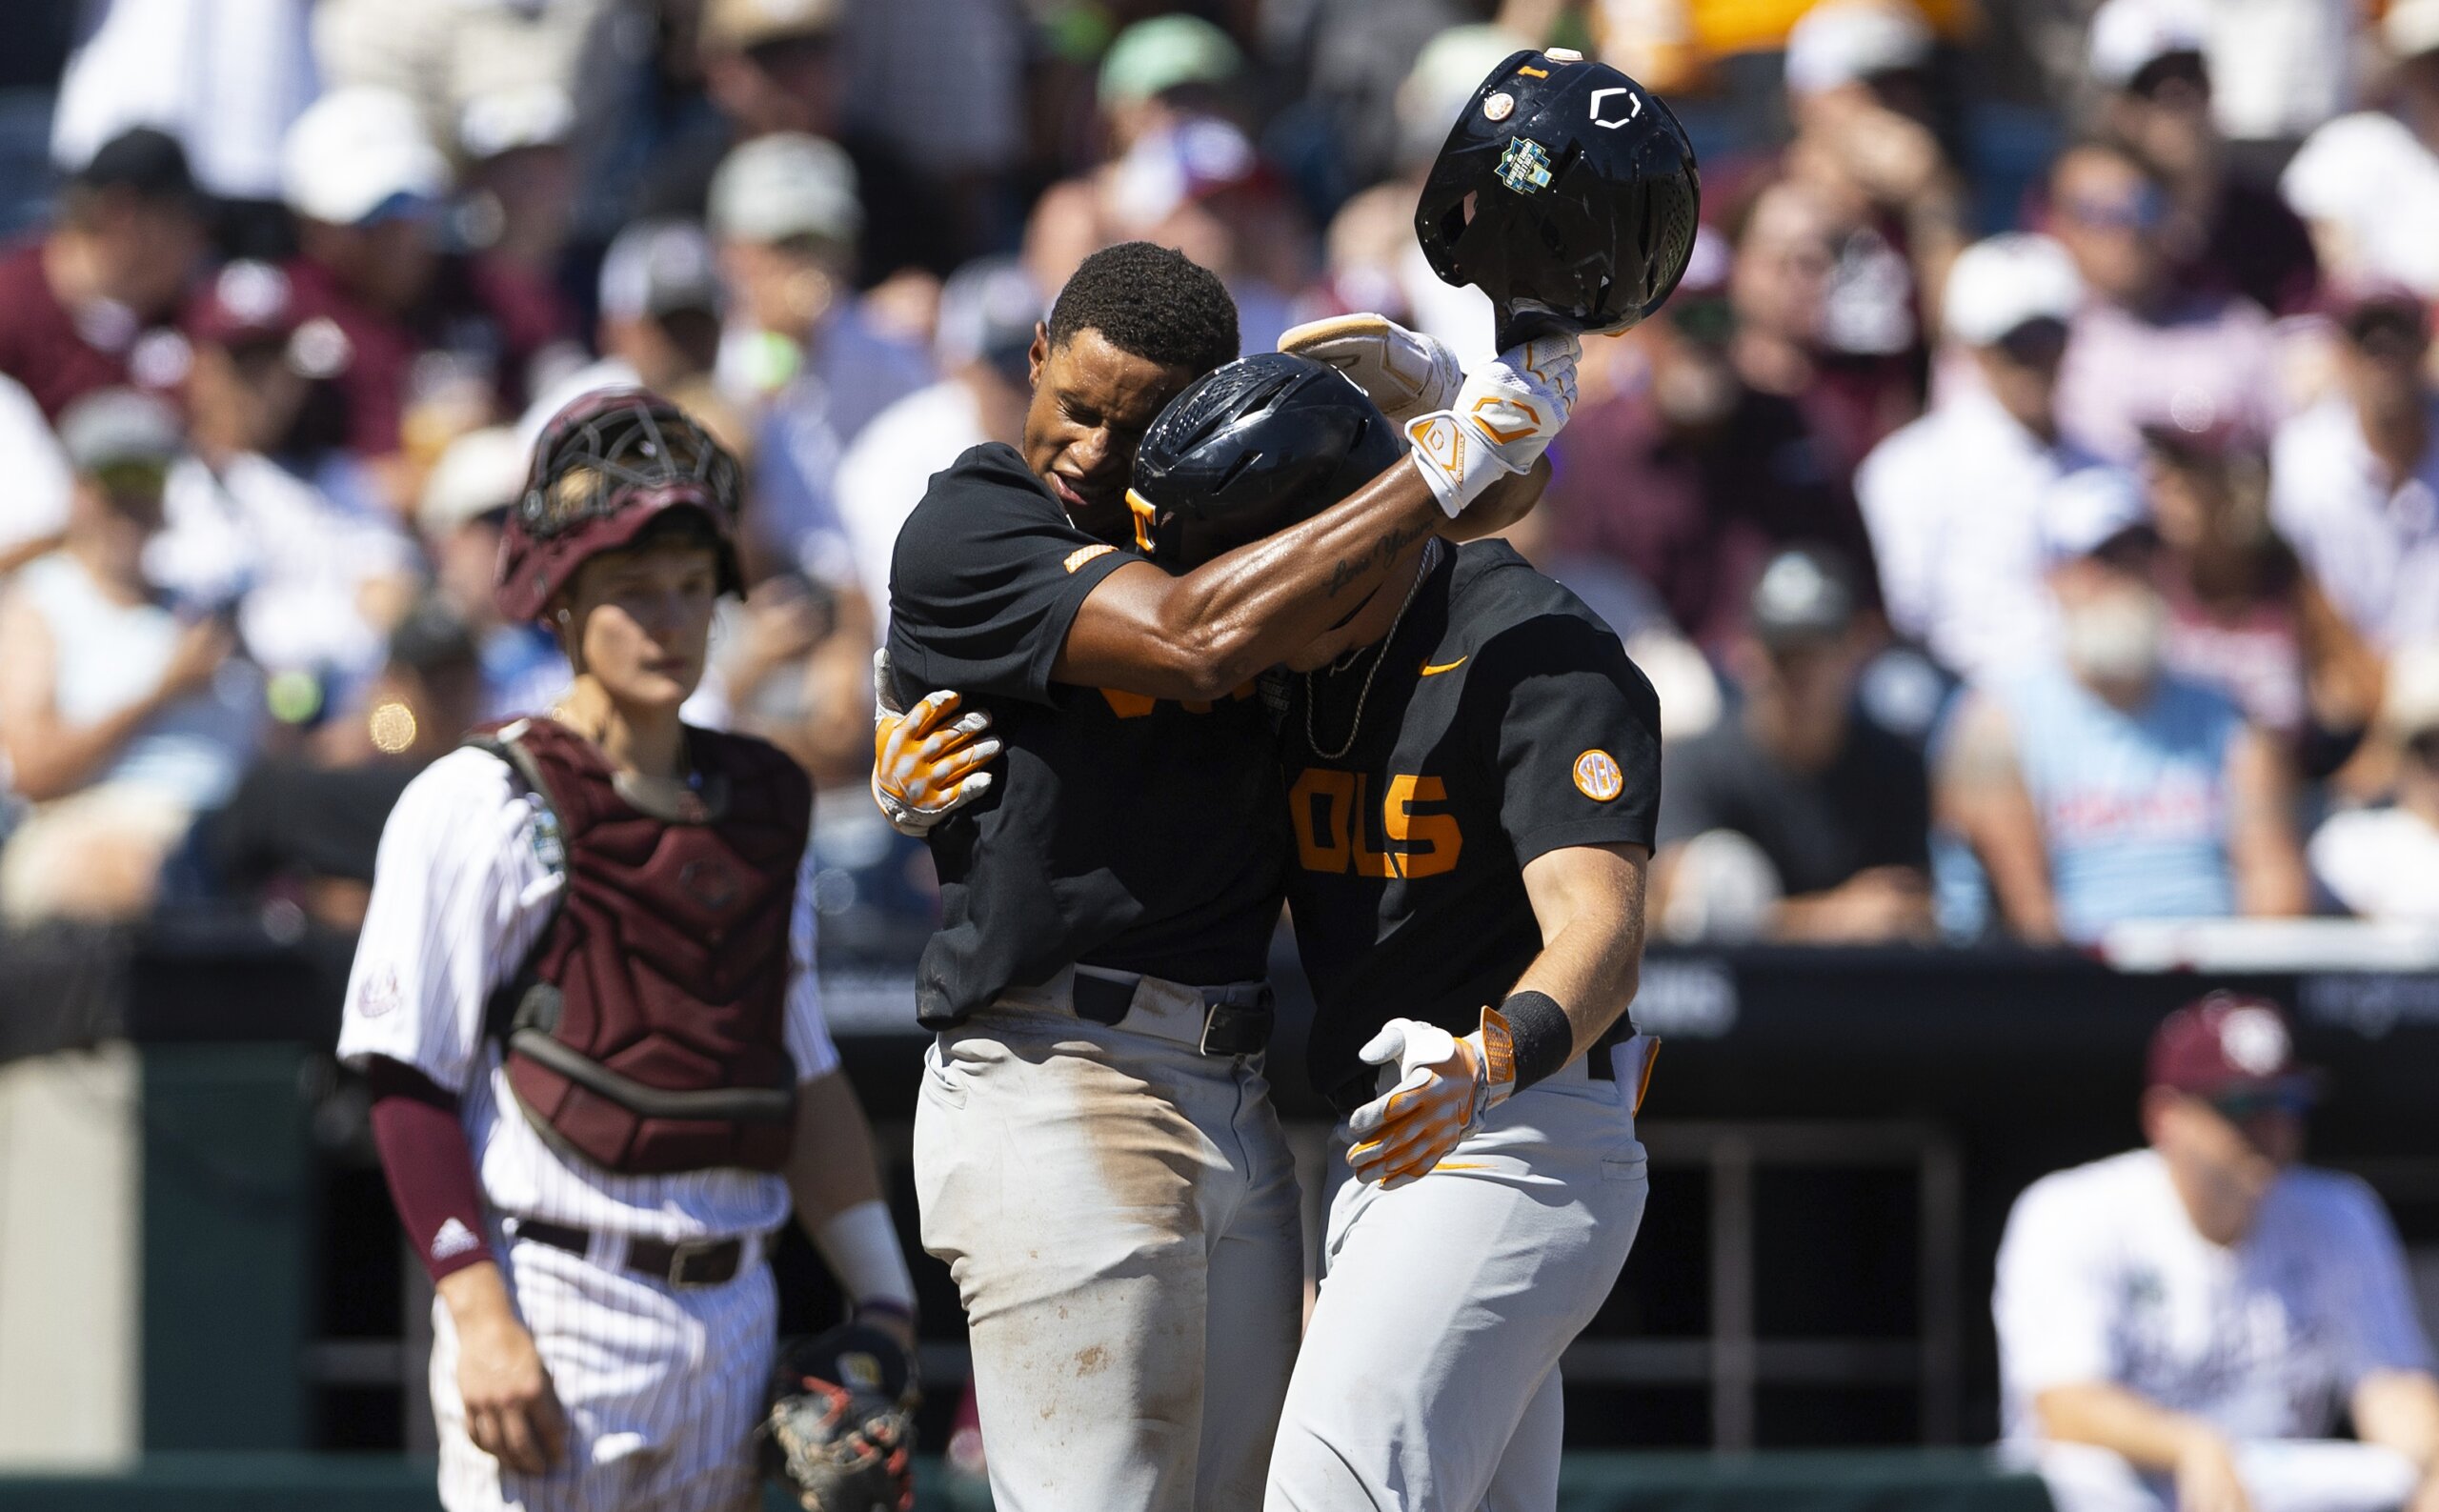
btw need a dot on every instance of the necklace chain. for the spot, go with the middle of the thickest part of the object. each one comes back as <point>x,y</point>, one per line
<point>1312,691</point>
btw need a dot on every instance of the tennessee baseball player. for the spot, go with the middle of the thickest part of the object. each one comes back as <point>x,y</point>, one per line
<point>1096,1154</point>
<point>1472,771</point>
<point>1472,779</point>
<point>584,1002</point>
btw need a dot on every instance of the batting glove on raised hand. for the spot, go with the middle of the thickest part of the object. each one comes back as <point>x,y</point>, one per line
<point>925,767</point>
<point>1444,1085</point>
<point>1501,421</point>
<point>1405,373</point>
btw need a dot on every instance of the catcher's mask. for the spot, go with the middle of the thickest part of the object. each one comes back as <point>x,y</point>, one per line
<point>605,468</point>
<point>1568,192</point>
<point>1247,449</point>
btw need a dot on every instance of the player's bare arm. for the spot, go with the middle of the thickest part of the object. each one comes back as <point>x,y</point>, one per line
<point>1590,901</point>
<point>512,1412</point>
<point>836,1182</point>
<point>1205,634</point>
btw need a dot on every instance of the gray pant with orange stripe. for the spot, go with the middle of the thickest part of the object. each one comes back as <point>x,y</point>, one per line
<point>1428,1380</point>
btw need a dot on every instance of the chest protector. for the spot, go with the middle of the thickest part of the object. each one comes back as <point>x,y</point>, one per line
<point>646,1032</point>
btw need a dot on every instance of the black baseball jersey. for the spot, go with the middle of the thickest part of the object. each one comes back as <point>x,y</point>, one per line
<point>1120,830</point>
<point>1505,722</point>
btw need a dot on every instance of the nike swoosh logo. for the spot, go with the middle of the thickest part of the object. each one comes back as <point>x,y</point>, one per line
<point>1430,670</point>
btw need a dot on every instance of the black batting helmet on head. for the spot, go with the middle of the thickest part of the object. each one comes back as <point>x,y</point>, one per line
<point>605,468</point>
<point>1568,192</point>
<point>1252,448</point>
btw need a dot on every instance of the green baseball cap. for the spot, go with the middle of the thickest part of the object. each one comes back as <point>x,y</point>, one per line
<point>1152,57</point>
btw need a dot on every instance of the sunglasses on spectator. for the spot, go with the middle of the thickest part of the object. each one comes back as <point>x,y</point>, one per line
<point>786,53</point>
<point>2388,330</point>
<point>2140,211</point>
<point>133,483</point>
<point>2424,747</point>
<point>1707,319</point>
<point>2253,1102</point>
<point>2170,71</point>
<point>2036,343</point>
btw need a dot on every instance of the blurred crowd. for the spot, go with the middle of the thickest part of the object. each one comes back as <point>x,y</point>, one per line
<point>2029,505</point>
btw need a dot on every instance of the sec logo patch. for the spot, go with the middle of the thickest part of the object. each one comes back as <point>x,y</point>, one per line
<point>1597,776</point>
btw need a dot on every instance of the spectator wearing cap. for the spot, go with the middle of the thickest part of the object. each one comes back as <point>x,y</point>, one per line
<point>801,348</point>
<point>461,515</point>
<point>366,183</point>
<point>2220,231</point>
<point>1168,93</point>
<point>786,68</point>
<point>2367,183</point>
<point>660,300</point>
<point>1953,500</point>
<point>1688,477</point>
<point>2180,1326</point>
<point>1835,809</point>
<point>1859,92</point>
<point>1788,340</point>
<point>120,716</point>
<point>2148,345</point>
<point>86,305</point>
<point>269,517</point>
<point>2383,862</point>
<point>2095,785</point>
<point>990,311</point>
<point>2244,615</point>
<point>1373,260</point>
<point>2354,479</point>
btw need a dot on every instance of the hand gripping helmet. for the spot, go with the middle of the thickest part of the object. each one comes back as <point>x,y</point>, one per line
<point>1249,449</point>
<point>605,467</point>
<point>1568,192</point>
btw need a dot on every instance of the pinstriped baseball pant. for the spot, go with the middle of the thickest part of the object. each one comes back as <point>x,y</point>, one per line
<point>662,1386</point>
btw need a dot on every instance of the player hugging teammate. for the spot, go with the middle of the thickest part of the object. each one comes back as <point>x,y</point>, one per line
<point>584,1001</point>
<point>1459,802</point>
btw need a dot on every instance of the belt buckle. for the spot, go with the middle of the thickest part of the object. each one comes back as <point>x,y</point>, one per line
<point>1210,1012</point>
<point>682,1257</point>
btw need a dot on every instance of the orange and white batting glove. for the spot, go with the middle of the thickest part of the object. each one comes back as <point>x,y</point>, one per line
<point>1501,421</point>
<point>1405,373</point>
<point>925,766</point>
<point>1444,1086</point>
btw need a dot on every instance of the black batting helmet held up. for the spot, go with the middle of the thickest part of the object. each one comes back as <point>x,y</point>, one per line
<point>1252,448</point>
<point>1568,192</point>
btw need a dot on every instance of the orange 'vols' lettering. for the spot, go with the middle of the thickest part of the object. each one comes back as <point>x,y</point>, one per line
<point>1136,705</point>
<point>1321,839</point>
<point>1332,815</point>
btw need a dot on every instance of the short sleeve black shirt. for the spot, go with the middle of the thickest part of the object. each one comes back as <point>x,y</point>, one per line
<point>1871,806</point>
<point>1121,832</point>
<point>1505,722</point>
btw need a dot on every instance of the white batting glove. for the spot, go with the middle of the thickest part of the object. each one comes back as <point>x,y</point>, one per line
<point>1500,423</point>
<point>1405,373</point>
<point>1444,1085</point>
<point>924,767</point>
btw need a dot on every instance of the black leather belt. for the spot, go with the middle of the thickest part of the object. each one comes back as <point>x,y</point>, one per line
<point>1236,1020</point>
<point>688,1263</point>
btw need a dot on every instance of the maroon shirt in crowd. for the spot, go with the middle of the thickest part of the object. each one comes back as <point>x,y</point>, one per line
<point>60,358</point>
<point>480,308</point>
<point>2257,248</point>
<point>1696,516</point>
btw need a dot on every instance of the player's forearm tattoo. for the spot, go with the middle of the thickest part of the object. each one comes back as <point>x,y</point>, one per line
<point>1347,569</point>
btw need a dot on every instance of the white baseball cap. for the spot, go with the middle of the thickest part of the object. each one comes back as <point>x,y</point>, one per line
<point>2087,510</point>
<point>659,268</point>
<point>786,185</point>
<point>2000,284</point>
<point>357,152</point>
<point>1844,41</point>
<point>2129,35</point>
<point>481,470</point>
<point>2411,27</point>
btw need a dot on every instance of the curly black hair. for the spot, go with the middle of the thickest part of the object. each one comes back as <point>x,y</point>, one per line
<point>1152,302</point>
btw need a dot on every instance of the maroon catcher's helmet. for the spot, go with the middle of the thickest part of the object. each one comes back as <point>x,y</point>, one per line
<point>605,467</point>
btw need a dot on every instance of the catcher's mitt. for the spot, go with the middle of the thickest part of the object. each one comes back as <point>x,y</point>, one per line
<point>840,1434</point>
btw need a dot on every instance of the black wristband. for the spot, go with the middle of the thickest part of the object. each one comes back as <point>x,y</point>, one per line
<point>1544,1038</point>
